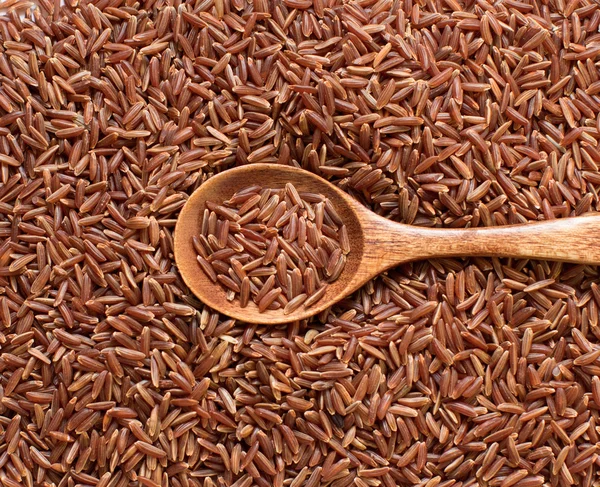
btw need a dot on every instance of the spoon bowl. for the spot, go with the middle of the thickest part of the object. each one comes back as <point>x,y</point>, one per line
<point>220,188</point>
<point>376,243</point>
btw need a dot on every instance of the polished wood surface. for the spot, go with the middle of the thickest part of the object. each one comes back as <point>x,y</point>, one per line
<point>377,243</point>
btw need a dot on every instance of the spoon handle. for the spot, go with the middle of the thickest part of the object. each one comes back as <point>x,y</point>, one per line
<point>574,239</point>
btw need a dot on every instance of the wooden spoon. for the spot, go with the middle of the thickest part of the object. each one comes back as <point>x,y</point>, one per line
<point>377,243</point>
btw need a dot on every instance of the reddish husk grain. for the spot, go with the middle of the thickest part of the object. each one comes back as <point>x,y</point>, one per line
<point>274,246</point>
<point>480,372</point>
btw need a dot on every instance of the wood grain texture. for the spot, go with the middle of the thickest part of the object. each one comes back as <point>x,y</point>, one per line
<point>377,243</point>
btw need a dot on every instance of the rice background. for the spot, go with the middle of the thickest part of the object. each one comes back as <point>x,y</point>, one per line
<point>434,113</point>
